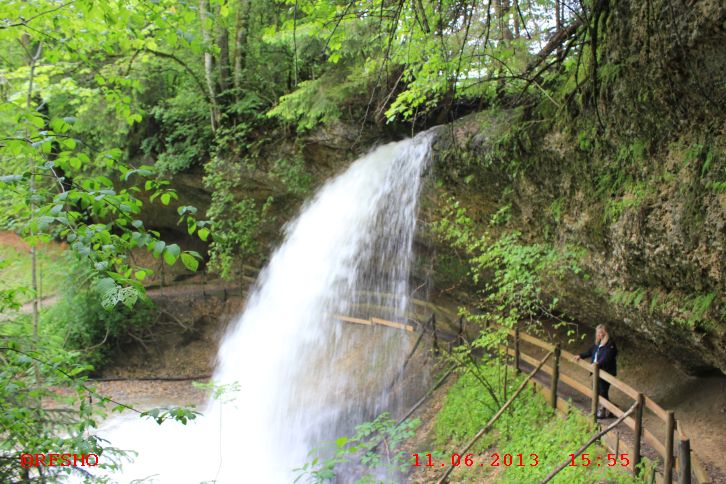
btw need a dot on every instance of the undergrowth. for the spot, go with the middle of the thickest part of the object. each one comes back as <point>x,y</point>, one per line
<point>530,426</point>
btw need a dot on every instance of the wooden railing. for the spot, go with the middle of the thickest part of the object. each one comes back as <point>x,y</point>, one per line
<point>675,442</point>
<point>375,321</point>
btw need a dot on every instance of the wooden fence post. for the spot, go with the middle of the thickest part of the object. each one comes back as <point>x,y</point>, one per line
<point>668,464</point>
<point>460,336</point>
<point>595,397</point>
<point>684,455</point>
<point>516,349</point>
<point>617,443</point>
<point>436,339</point>
<point>555,377</point>
<point>638,432</point>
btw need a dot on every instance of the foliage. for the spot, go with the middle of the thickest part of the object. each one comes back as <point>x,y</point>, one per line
<point>469,404</point>
<point>508,270</point>
<point>415,56</point>
<point>365,449</point>
<point>529,426</point>
<point>236,223</point>
<point>223,392</point>
<point>317,101</point>
<point>86,326</point>
<point>15,266</point>
<point>28,426</point>
<point>184,135</point>
<point>68,103</point>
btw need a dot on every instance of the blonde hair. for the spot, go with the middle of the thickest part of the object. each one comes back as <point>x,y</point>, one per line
<point>604,327</point>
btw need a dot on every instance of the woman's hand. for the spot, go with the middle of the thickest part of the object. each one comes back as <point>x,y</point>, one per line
<point>577,358</point>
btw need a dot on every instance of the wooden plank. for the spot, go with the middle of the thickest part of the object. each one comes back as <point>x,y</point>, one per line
<point>554,382</point>
<point>534,362</point>
<point>581,363</point>
<point>654,442</point>
<point>416,302</point>
<point>575,385</point>
<point>534,341</point>
<point>622,386</point>
<point>623,448</point>
<point>563,406</point>
<point>696,464</point>
<point>684,461</point>
<point>668,464</point>
<point>698,469</point>
<point>630,422</point>
<point>638,432</point>
<point>392,324</point>
<point>350,319</point>
<point>657,410</point>
<point>595,392</point>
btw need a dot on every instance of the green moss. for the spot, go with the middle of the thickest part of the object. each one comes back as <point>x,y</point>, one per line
<point>555,209</point>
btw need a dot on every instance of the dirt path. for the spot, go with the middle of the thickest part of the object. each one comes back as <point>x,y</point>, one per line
<point>144,395</point>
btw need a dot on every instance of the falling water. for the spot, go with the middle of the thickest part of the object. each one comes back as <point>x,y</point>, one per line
<point>304,376</point>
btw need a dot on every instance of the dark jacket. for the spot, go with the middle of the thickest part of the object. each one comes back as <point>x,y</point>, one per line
<point>605,356</point>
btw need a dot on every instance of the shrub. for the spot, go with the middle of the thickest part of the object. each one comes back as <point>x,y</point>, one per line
<point>80,319</point>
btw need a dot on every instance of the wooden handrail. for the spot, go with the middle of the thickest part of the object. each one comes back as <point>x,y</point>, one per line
<point>582,449</point>
<point>372,321</point>
<point>620,385</point>
<point>615,410</point>
<point>392,324</point>
<point>571,382</point>
<point>534,341</point>
<point>657,410</point>
<point>654,442</point>
<point>696,464</point>
<point>677,433</point>
<point>570,357</point>
<point>349,319</point>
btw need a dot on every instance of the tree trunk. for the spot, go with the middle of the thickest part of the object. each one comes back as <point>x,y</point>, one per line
<point>240,40</point>
<point>223,63</point>
<point>503,11</point>
<point>209,64</point>
<point>32,63</point>
<point>558,20</point>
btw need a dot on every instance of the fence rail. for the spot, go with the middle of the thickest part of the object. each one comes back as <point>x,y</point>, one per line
<point>675,444</point>
<point>675,450</point>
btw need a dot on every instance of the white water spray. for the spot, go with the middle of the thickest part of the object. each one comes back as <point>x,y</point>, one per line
<point>305,377</point>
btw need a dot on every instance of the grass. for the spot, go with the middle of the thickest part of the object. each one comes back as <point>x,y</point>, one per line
<point>529,427</point>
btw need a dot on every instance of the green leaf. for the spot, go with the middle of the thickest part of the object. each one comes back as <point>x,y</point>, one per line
<point>203,234</point>
<point>165,198</point>
<point>189,261</point>
<point>171,254</point>
<point>158,248</point>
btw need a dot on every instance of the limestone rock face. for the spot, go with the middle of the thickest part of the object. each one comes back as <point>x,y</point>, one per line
<point>652,264</point>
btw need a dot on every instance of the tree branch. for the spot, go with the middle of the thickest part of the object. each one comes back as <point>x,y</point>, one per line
<point>24,22</point>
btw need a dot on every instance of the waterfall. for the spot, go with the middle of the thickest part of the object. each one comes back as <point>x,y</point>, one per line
<point>304,376</point>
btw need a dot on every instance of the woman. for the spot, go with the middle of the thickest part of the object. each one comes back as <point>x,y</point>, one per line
<point>604,353</point>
